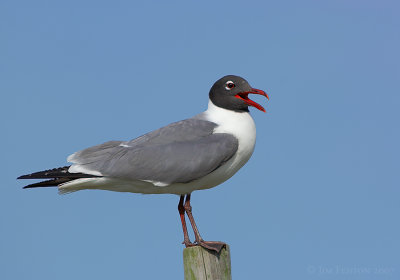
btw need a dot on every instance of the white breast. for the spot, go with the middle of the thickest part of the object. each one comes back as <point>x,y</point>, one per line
<point>242,126</point>
<point>239,124</point>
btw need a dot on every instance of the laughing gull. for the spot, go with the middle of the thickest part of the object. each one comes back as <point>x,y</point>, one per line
<point>193,154</point>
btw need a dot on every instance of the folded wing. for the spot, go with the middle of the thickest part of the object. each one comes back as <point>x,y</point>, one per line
<point>178,153</point>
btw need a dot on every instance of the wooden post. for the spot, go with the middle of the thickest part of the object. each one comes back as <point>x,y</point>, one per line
<point>203,264</point>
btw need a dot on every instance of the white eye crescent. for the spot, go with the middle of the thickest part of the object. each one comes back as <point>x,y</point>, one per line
<point>229,85</point>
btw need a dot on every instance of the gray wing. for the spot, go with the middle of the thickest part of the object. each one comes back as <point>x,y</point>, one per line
<point>178,153</point>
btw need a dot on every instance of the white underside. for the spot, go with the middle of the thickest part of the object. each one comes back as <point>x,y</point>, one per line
<point>241,125</point>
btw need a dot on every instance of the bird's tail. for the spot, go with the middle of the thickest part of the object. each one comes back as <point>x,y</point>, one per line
<point>57,176</point>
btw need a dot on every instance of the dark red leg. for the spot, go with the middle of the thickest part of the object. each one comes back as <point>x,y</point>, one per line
<point>181,210</point>
<point>188,209</point>
<point>210,245</point>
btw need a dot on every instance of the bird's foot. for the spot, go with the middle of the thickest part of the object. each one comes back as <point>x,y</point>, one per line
<point>212,245</point>
<point>188,243</point>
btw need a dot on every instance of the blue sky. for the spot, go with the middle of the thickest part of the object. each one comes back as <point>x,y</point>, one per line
<point>319,199</point>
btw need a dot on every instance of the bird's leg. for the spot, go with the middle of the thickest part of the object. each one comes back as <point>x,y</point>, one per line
<point>181,210</point>
<point>188,209</point>
<point>210,245</point>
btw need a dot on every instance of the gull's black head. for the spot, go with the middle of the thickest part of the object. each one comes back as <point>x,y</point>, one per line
<point>231,92</point>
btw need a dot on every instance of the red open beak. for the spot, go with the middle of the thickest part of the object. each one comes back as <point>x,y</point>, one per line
<point>245,98</point>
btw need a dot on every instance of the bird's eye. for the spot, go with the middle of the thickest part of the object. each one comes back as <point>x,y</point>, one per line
<point>229,85</point>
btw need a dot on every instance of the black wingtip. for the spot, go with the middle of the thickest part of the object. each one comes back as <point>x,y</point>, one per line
<point>50,173</point>
<point>57,176</point>
<point>49,183</point>
<point>32,186</point>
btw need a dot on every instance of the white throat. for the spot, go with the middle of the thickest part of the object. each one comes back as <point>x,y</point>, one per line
<point>236,123</point>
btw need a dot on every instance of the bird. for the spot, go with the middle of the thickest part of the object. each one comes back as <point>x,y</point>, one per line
<point>197,153</point>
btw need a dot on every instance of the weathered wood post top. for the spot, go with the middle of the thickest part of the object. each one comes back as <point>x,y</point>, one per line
<point>203,264</point>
